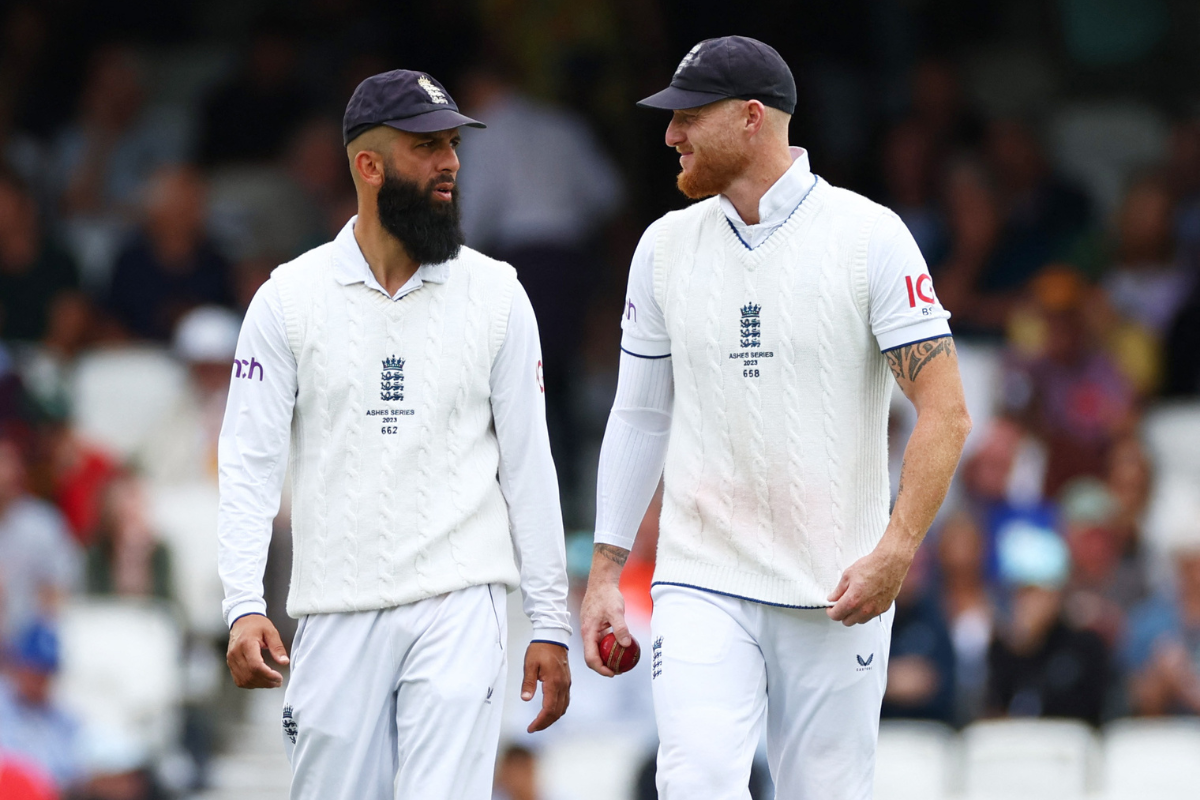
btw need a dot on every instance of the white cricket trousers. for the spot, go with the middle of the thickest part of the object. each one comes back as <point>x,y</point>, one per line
<point>400,703</point>
<point>721,665</point>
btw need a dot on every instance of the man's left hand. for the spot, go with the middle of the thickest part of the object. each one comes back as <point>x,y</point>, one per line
<point>547,663</point>
<point>869,586</point>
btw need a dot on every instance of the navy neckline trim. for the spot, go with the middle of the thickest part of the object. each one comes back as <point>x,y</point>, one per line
<point>736,596</point>
<point>732,227</point>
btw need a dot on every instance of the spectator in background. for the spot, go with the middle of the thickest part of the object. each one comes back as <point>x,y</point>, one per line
<point>568,189</point>
<point>1181,350</point>
<point>39,564</point>
<point>939,105</point>
<point>1070,393</point>
<point>105,156</point>
<point>1129,479</point>
<point>1162,651</point>
<point>24,50</point>
<point>1038,666</point>
<point>921,662</point>
<point>1183,171</point>
<point>250,117</point>
<point>126,557</point>
<point>22,780</point>
<point>1043,214</point>
<point>39,282</point>
<point>1003,480</point>
<point>909,178</point>
<point>516,775</point>
<point>171,265</point>
<point>75,472</point>
<point>1146,283</point>
<point>183,448</point>
<point>316,166</point>
<point>31,724</point>
<point>980,306</point>
<point>969,609</point>
<point>1103,587</point>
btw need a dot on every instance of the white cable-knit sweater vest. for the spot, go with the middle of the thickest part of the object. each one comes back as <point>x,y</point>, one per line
<point>394,457</point>
<point>776,475</point>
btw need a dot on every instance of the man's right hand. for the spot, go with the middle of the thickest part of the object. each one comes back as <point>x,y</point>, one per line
<point>248,637</point>
<point>603,606</point>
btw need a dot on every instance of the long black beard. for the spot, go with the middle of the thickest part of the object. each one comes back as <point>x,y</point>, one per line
<point>429,229</point>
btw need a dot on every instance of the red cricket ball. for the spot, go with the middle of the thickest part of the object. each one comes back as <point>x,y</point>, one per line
<point>619,659</point>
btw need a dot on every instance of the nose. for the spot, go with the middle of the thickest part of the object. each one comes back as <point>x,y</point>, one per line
<point>450,162</point>
<point>675,135</point>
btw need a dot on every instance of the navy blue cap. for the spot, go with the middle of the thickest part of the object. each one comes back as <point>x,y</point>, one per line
<point>404,100</point>
<point>731,66</point>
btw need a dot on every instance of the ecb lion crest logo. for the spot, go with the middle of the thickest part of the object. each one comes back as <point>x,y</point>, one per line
<point>289,724</point>
<point>431,89</point>
<point>751,333</point>
<point>688,59</point>
<point>391,379</point>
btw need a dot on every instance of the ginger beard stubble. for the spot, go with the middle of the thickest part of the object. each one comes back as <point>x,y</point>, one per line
<point>714,166</point>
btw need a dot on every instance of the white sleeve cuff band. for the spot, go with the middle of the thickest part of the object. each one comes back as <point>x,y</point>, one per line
<point>917,332</point>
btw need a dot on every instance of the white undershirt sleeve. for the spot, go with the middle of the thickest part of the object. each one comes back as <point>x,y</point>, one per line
<point>634,448</point>
<point>527,476</point>
<point>903,306</point>
<point>635,440</point>
<point>252,452</point>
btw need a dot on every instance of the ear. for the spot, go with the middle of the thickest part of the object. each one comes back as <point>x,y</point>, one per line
<point>754,117</point>
<point>368,166</point>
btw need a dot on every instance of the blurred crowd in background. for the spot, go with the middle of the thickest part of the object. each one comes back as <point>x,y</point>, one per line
<point>158,160</point>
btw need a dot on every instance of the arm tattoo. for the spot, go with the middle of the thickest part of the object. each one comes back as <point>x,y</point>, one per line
<point>616,555</point>
<point>907,362</point>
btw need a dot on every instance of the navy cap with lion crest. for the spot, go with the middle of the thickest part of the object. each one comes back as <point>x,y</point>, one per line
<point>731,66</point>
<point>404,100</point>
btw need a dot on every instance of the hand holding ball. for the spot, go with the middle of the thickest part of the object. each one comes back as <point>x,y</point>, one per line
<point>619,659</point>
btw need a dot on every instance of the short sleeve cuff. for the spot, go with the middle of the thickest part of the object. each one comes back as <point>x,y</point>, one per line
<point>613,539</point>
<point>557,636</point>
<point>645,348</point>
<point>242,609</point>
<point>909,334</point>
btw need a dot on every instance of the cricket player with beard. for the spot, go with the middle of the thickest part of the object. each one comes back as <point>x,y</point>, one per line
<point>759,330</point>
<point>403,370</point>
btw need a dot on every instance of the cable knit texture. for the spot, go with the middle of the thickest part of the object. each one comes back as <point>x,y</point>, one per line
<point>776,473</point>
<point>395,489</point>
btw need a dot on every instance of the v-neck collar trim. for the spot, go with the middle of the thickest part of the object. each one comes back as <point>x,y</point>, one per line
<point>753,255</point>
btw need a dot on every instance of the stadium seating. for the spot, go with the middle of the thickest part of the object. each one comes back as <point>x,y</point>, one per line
<point>121,669</point>
<point>609,762</point>
<point>186,517</point>
<point>1028,759</point>
<point>915,761</point>
<point>1172,434</point>
<point>1152,759</point>
<point>120,394</point>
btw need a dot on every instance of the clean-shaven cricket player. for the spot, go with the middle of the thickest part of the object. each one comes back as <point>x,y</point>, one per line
<point>759,330</point>
<point>404,371</point>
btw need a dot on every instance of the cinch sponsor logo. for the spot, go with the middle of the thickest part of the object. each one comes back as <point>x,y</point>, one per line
<point>630,310</point>
<point>250,365</point>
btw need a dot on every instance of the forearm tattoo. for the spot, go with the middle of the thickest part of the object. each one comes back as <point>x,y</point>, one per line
<point>616,555</point>
<point>907,362</point>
